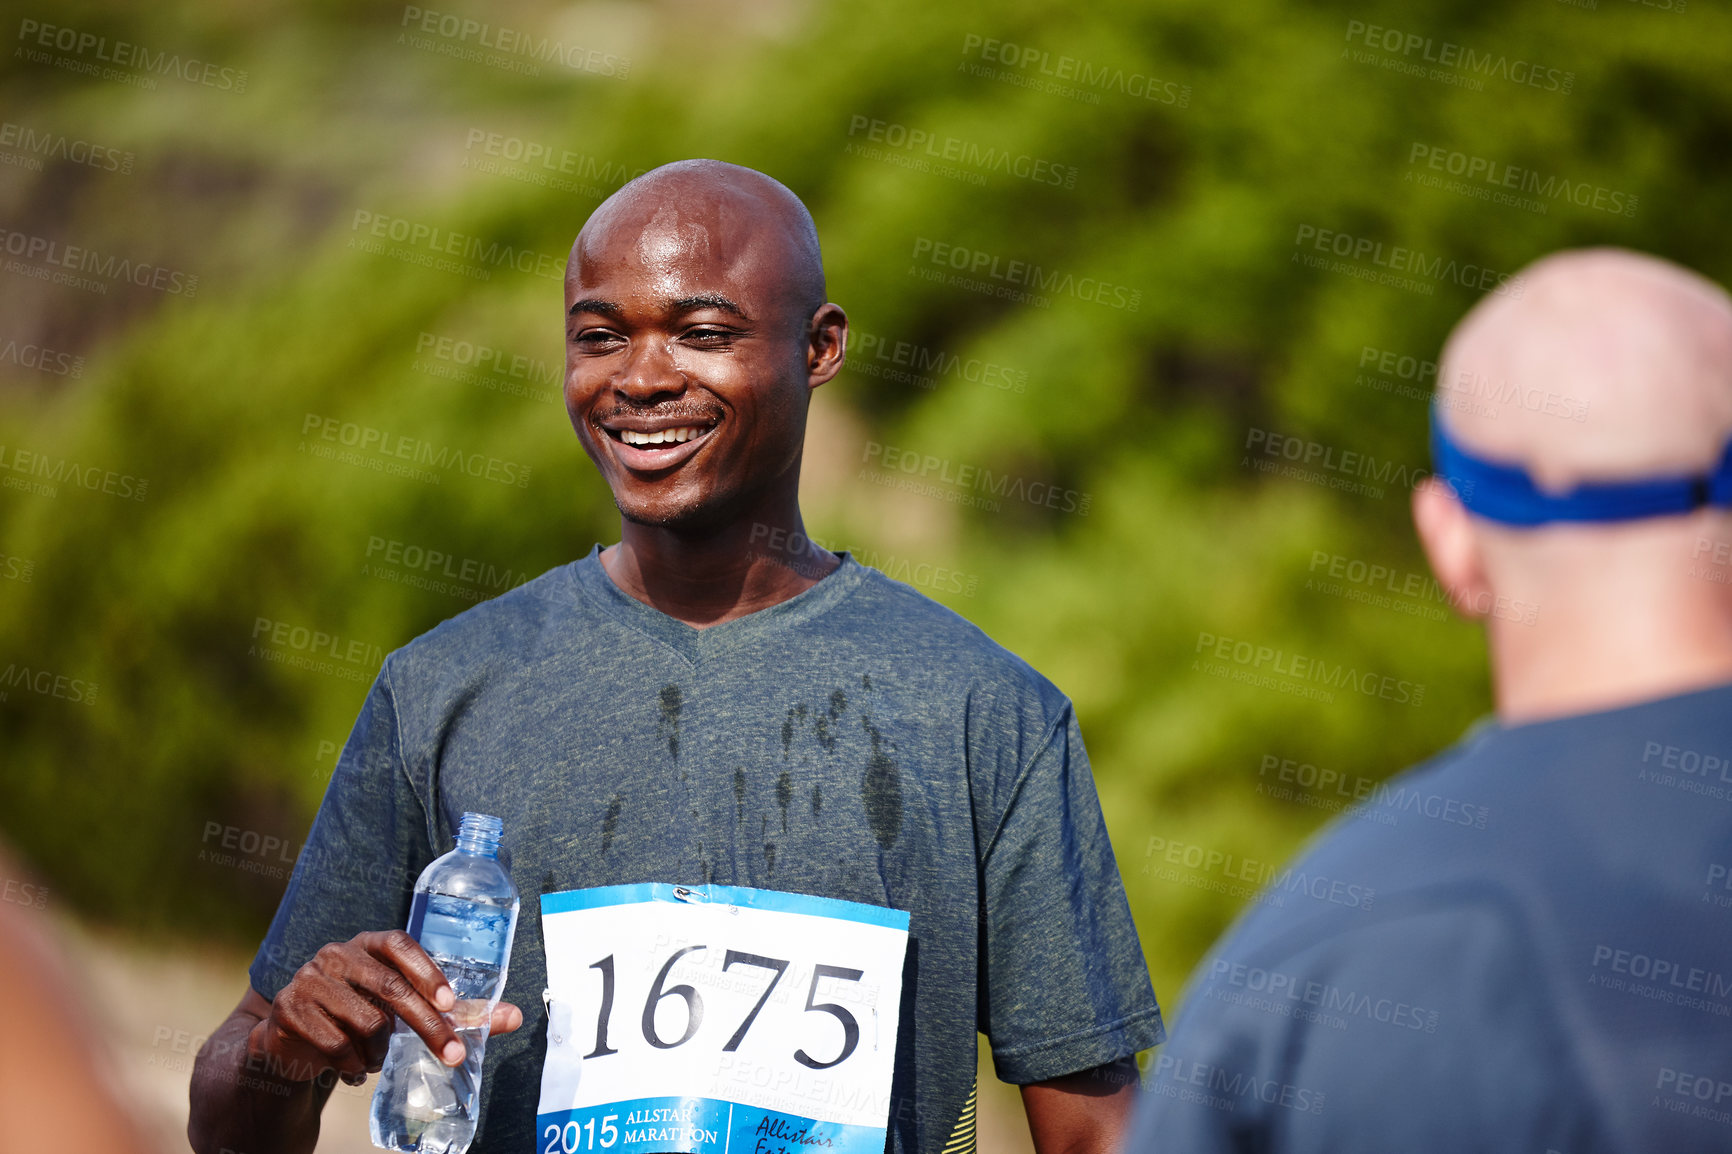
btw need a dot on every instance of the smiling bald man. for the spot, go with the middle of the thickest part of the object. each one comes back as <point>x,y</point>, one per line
<point>1544,965</point>
<point>788,834</point>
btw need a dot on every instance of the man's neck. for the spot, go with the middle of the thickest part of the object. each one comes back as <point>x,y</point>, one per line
<point>707,578</point>
<point>1580,657</point>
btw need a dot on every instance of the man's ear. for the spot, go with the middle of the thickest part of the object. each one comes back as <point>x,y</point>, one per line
<point>826,344</point>
<point>1452,547</point>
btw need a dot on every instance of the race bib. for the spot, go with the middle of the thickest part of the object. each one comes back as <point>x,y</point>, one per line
<point>718,1020</point>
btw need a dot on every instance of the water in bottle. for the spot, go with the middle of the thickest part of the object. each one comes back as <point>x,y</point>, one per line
<point>464,914</point>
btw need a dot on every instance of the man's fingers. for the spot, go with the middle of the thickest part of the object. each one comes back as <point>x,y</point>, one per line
<point>305,1038</point>
<point>506,1018</point>
<point>366,1018</point>
<point>378,980</point>
<point>337,1011</point>
<point>284,1054</point>
<point>402,953</point>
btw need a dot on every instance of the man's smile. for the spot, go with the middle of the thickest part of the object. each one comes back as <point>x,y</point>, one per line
<point>679,435</point>
<point>648,444</point>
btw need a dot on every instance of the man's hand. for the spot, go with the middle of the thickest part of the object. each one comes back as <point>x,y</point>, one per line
<point>1084,1113</point>
<point>336,1013</point>
<point>264,1075</point>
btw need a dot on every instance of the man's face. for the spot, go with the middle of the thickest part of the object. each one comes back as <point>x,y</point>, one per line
<point>686,361</point>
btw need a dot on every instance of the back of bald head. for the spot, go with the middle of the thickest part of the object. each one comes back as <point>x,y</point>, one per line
<point>712,203</point>
<point>1609,366</point>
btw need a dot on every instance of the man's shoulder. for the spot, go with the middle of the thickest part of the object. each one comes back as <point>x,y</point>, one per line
<point>1422,831</point>
<point>503,628</point>
<point>895,615</point>
<point>1371,1021</point>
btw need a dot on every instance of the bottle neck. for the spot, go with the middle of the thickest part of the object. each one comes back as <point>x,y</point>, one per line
<point>478,834</point>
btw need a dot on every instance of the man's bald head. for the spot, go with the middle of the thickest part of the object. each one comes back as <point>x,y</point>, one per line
<point>1644,345</point>
<point>746,222</point>
<point>1610,367</point>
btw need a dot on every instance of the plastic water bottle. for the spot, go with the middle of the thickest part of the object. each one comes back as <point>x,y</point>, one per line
<point>464,914</point>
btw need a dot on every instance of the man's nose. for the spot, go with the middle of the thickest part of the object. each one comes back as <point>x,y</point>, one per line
<point>649,371</point>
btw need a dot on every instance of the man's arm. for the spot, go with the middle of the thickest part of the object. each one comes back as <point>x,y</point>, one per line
<point>260,1082</point>
<point>1084,1113</point>
<point>54,1091</point>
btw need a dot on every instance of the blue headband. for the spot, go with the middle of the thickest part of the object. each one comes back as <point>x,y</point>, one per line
<point>1506,493</point>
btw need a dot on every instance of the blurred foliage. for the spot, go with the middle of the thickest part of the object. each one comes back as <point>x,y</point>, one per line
<point>1193,200</point>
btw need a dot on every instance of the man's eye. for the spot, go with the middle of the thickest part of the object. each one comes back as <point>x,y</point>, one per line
<point>594,338</point>
<point>710,336</point>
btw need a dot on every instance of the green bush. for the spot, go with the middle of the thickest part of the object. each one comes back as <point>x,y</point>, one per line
<point>1262,124</point>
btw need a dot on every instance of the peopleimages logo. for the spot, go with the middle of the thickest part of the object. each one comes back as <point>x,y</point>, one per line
<point>247,849</point>
<point>34,146</point>
<point>1275,879</point>
<point>1417,594</point>
<point>43,475</point>
<point>972,479</point>
<point>1719,878</point>
<point>922,365</point>
<point>316,641</point>
<point>52,256</point>
<point>1284,987</point>
<point>101,50</point>
<point>1505,180</point>
<point>1265,664</point>
<point>439,242</point>
<point>1064,71</point>
<point>27,355</point>
<point>544,165</point>
<point>47,683</point>
<point>535,378</point>
<point>23,893</point>
<point>1696,1094</point>
<point>1346,462</point>
<point>1306,784</point>
<point>1716,567</point>
<point>956,150</point>
<point>510,48</point>
<point>386,452</point>
<point>799,552</point>
<point>315,650</point>
<point>1019,280</point>
<point>1223,1088</point>
<point>1668,980</point>
<point>1468,384</point>
<point>437,571</point>
<point>1395,263</point>
<point>18,569</point>
<point>1465,66</point>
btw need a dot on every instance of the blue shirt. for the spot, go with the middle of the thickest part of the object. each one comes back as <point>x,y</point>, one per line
<point>1542,962</point>
<point>857,741</point>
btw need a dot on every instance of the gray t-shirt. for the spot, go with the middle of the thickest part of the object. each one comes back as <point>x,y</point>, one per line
<point>1521,945</point>
<point>857,741</point>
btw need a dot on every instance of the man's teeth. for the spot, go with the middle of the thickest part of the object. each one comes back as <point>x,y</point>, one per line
<point>661,436</point>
